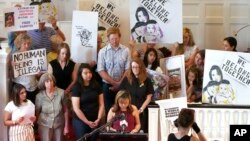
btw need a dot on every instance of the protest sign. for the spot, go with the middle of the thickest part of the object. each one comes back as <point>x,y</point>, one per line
<point>226,78</point>
<point>156,21</point>
<point>29,62</point>
<point>21,18</point>
<point>84,36</point>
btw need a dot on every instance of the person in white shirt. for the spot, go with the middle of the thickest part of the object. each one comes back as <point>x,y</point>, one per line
<point>19,115</point>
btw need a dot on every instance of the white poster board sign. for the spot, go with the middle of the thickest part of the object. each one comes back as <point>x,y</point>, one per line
<point>169,111</point>
<point>112,13</point>
<point>153,21</point>
<point>29,62</point>
<point>174,67</point>
<point>21,18</point>
<point>226,78</point>
<point>84,36</point>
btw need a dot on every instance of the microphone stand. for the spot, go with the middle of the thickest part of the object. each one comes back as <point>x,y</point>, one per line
<point>84,138</point>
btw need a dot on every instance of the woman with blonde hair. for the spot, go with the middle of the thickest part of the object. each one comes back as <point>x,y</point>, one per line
<point>140,88</point>
<point>188,47</point>
<point>23,44</point>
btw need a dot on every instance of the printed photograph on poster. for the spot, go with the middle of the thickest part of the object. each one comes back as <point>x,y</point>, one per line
<point>84,36</point>
<point>175,69</point>
<point>156,21</point>
<point>21,18</point>
<point>226,78</point>
<point>160,82</point>
<point>29,62</point>
<point>174,85</point>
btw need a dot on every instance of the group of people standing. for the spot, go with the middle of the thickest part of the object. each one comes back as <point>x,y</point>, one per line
<point>125,87</point>
<point>65,87</point>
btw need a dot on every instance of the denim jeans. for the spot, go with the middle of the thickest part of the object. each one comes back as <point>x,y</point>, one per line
<point>81,129</point>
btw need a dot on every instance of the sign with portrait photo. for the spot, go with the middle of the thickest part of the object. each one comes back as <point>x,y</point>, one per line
<point>84,36</point>
<point>156,21</point>
<point>226,78</point>
<point>21,18</point>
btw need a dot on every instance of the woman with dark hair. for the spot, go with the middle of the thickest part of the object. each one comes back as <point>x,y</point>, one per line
<point>15,116</point>
<point>88,103</point>
<point>123,106</point>
<point>215,73</point>
<point>141,14</point>
<point>185,122</point>
<point>229,44</point>
<point>151,60</point>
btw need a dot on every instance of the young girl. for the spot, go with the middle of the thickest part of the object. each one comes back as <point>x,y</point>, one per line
<point>123,105</point>
<point>15,116</point>
<point>151,60</point>
<point>194,87</point>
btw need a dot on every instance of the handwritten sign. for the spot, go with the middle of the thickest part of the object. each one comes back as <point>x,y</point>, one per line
<point>29,62</point>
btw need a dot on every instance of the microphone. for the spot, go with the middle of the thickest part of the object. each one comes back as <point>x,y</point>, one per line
<point>123,123</point>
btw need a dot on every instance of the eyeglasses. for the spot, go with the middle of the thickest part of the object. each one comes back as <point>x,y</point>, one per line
<point>135,67</point>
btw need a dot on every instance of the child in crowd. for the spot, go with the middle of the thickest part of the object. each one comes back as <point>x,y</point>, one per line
<point>123,106</point>
<point>193,83</point>
<point>16,116</point>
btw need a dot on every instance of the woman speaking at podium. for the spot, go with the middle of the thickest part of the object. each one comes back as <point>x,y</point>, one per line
<point>129,121</point>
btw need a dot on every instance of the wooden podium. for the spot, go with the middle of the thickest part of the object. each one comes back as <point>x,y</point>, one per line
<point>111,136</point>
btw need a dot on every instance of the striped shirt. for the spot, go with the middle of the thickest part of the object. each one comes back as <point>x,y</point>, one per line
<point>115,61</point>
<point>41,39</point>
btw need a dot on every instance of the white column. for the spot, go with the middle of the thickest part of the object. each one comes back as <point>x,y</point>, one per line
<point>153,124</point>
<point>3,91</point>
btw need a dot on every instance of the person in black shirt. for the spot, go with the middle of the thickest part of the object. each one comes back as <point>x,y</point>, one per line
<point>184,123</point>
<point>88,103</point>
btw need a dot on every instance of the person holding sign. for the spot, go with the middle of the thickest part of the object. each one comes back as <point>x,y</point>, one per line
<point>188,47</point>
<point>184,123</point>
<point>131,118</point>
<point>140,88</point>
<point>19,115</point>
<point>113,62</point>
<point>50,106</point>
<point>41,37</point>
<point>23,43</point>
